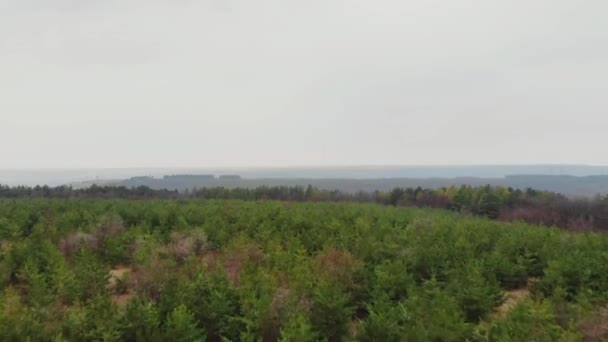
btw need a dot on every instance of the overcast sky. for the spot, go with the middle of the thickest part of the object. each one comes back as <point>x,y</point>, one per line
<point>184,83</point>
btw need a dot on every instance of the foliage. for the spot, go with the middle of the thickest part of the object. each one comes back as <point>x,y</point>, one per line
<point>181,326</point>
<point>221,270</point>
<point>505,203</point>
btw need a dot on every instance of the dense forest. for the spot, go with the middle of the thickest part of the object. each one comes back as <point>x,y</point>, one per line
<point>229,270</point>
<point>506,204</point>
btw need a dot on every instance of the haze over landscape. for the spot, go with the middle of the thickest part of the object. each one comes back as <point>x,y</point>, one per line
<point>571,180</point>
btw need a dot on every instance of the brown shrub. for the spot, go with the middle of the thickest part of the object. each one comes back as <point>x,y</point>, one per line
<point>181,248</point>
<point>150,280</point>
<point>73,242</point>
<point>339,266</point>
<point>284,303</point>
<point>580,224</point>
<point>122,299</point>
<point>210,260</point>
<point>595,327</point>
<point>110,225</point>
<point>530,215</point>
<point>184,245</point>
<point>234,260</point>
<point>120,283</point>
<point>120,280</point>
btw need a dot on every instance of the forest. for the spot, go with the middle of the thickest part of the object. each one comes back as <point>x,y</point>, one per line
<point>198,269</point>
<point>496,202</point>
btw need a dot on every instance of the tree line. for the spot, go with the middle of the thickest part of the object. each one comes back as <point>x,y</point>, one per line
<point>503,203</point>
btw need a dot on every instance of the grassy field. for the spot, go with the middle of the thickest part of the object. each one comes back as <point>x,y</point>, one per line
<point>264,271</point>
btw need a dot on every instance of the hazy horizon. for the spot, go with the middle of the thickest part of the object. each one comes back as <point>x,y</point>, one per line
<point>311,166</point>
<point>271,83</point>
<point>54,177</point>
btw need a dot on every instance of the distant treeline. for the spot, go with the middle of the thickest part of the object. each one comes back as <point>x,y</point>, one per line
<point>568,185</point>
<point>93,192</point>
<point>507,204</point>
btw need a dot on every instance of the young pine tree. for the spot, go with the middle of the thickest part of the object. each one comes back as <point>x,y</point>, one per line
<point>181,327</point>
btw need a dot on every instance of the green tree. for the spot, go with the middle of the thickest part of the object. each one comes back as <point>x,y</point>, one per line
<point>181,327</point>
<point>297,329</point>
<point>489,204</point>
<point>331,312</point>
<point>142,321</point>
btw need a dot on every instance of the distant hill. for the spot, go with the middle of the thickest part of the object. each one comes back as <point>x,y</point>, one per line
<point>569,185</point>
<point>54,177</point>
<point>572,180</point>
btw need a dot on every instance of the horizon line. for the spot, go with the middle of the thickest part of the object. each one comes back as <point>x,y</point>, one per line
<point>312,166</point>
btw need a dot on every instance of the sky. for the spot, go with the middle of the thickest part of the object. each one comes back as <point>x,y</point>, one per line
<point>226,83</point>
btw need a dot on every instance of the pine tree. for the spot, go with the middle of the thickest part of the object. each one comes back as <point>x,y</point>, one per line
<point>181,326</point>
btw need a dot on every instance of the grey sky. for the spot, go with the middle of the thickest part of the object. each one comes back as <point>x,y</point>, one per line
<point>166,83</point>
